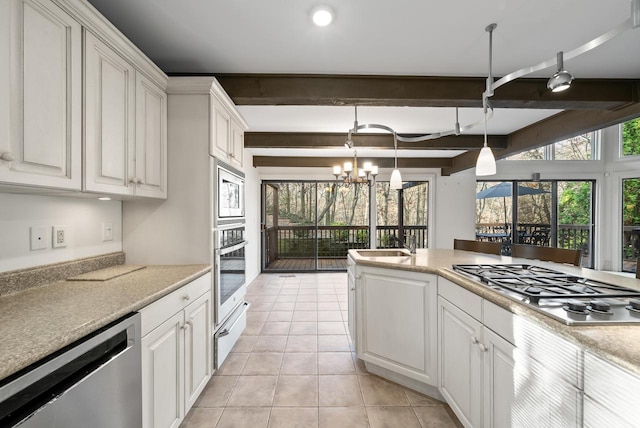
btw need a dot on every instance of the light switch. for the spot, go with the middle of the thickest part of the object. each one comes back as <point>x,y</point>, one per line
<point>38,238</point>
<point>107,232</point>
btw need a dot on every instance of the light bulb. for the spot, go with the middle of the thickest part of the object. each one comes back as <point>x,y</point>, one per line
<point>348,167</point>
<point>322,15</point>
<point>374,170</point>
<point>337,170</point>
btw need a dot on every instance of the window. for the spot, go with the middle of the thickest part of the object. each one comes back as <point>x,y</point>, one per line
<point>631,138</point>
<point>402,213</point>
<point>630,223</point>
<point>546,213</point>
<point>581,147</point>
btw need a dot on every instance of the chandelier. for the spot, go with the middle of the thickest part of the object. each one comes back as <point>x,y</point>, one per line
<point>350,174</point>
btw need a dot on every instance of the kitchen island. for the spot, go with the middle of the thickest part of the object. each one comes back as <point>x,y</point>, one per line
<point>489,356</point>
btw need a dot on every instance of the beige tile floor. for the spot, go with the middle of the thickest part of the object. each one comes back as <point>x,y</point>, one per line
<point>294,367</point>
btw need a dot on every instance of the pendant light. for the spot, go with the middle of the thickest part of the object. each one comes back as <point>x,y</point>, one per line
<point>396,179</point>
<point>486,163</point>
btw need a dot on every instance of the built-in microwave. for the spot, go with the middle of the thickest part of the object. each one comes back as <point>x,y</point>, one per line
<point>230,192</point>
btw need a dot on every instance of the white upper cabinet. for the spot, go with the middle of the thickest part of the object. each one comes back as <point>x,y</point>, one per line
<point>227,142</point>
<point>109,119</point>
<point>150,161</point>
<point>44,74</point>
<point>40,95</point>
<point>125,126</point>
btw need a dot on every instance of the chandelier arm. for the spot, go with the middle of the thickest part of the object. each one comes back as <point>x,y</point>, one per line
<point>567,55</point>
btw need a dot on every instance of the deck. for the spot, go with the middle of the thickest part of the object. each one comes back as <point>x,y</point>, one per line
<point>307,264</point>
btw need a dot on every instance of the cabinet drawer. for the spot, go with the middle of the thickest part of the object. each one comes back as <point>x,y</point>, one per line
<point>228,334</point>
<point>464,299</point>
<point>157,312</point>
<point>612,387</point>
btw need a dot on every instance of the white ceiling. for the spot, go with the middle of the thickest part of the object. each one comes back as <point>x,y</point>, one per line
<point>377,37</point>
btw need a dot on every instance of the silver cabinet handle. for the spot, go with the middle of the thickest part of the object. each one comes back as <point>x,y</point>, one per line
<point>483,348</point>
<point>139,182</point>
<point>132,180</point>
<point>224,333</point>
<point>353,289</point>
<point>189,323</point>
<point>186,297</point>
<point>474,340</point>
<point>7,157</point>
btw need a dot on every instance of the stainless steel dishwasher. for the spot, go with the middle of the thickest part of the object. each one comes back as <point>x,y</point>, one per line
<point>94,382</point>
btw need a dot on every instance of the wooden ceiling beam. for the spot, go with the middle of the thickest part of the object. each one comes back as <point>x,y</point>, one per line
<point>550,130</point>
<point>332,140</point>
<point>415,91</point>
<point>327,162</point>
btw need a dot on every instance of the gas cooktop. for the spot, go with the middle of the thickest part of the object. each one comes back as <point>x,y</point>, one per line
<point>567,298</point>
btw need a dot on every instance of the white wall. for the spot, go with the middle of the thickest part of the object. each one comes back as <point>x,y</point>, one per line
<point>82,218</point>
<point>253,215</point>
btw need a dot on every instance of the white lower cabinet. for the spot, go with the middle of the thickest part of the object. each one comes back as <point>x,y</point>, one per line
<point>460,362</point>
<point>396,322</point>
<point>176,353</point>
<point>498,370</point>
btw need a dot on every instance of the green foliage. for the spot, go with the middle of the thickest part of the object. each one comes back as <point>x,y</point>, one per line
<point>574,206</point>
<point>631,138</point>
<point>362,236</point>
<point>631,202</point>
<point>341,234</point>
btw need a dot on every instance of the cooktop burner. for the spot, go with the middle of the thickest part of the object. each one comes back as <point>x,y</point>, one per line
<point>568,298</point>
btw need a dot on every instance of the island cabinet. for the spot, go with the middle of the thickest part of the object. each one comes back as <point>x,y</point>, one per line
<point>499,370</point>
<point>395,323</point>
<point>611,394</point>
<point>40,95</point>
<point>176,353</point>
<point>351,298</point>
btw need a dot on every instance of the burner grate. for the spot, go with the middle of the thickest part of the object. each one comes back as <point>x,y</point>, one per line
<point>537,283</point>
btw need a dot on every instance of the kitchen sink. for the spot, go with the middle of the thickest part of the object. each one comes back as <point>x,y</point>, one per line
<point>383,253</point>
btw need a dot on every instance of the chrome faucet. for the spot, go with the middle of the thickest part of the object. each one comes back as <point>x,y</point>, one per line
<point>412,243</point>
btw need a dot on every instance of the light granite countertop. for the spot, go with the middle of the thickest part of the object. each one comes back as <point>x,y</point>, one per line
<point>619,344</point>
<point>41,320</point>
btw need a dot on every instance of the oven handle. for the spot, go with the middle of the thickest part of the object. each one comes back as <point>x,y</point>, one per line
<point>226,250</point>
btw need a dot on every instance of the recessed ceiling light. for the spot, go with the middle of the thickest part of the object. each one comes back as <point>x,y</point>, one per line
<point>104,198</point>
<point>322,15</point>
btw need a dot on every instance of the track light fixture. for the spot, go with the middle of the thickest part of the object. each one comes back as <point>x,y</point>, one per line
<point>561,80</point>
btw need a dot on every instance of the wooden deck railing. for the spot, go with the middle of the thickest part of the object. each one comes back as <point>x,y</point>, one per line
<point>332,241</point>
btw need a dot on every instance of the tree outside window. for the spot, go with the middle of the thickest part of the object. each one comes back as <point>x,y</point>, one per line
<point>631,138</point>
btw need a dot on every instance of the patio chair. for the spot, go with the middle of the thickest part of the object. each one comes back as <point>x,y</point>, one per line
<point>477,246</point>
<point>550,254</point>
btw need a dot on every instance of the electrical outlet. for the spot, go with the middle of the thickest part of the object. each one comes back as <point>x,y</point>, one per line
<point>38,238</point>
<point>59,237</point>
<point>107,232</point>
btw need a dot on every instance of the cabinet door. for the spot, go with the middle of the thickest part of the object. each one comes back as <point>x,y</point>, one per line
<point>500,390</point>
<point>236,146</point>
<point>163,374</point>
<point>351,301</point>
<point>109,119</point>
<point>221,132</point>
<point>460,362</point>
<point>150,164</point>
<point>198,351</point>
<point>397,322</point>
<point>41,91</point>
